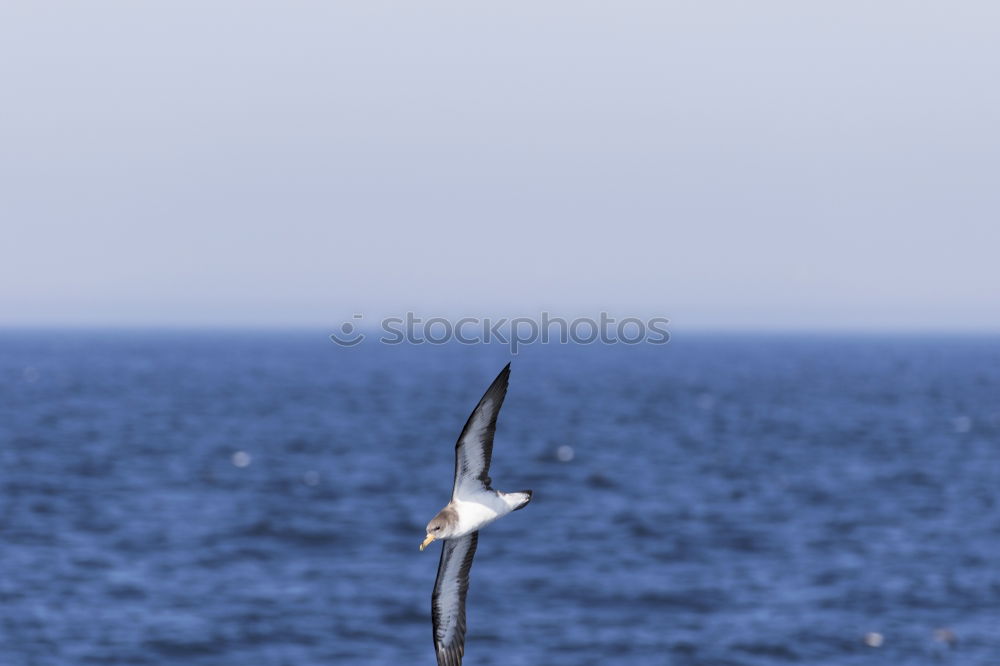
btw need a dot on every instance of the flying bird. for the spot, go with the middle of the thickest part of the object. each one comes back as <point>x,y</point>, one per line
<point>474,504</point>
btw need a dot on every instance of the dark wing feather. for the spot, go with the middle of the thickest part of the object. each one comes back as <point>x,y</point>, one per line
<point>475,445</point>
<point>448,602</point>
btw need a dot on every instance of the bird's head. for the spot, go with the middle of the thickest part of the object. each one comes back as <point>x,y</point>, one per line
<point>441,526</point>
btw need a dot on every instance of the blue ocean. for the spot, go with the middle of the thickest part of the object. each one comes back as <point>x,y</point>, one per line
<point>233,498</point>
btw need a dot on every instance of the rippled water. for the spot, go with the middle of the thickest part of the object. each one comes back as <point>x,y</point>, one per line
<point>215,499</point>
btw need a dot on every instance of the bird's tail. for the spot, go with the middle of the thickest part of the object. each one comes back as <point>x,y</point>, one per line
<point>518,500</point>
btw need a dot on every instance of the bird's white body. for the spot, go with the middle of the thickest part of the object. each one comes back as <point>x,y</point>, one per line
<point>478,509</point>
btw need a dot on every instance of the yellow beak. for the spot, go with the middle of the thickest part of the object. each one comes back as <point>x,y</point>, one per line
<point>427,541</point>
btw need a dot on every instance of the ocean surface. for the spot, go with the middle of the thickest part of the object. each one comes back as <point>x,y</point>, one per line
<point>214,499</point>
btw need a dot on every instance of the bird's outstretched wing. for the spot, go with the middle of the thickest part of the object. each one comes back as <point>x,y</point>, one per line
<point>475,445</point>
<point>448,602</point>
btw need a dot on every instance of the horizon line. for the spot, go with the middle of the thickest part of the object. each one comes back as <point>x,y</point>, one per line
<point>135,327</point>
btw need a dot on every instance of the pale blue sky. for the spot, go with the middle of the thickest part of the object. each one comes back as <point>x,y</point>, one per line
<point>726,164</point>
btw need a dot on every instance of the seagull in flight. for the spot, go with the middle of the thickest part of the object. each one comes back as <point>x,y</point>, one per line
<point>474,504</point>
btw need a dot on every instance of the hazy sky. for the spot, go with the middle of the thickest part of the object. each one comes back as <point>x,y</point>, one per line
<point>726,164</point>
